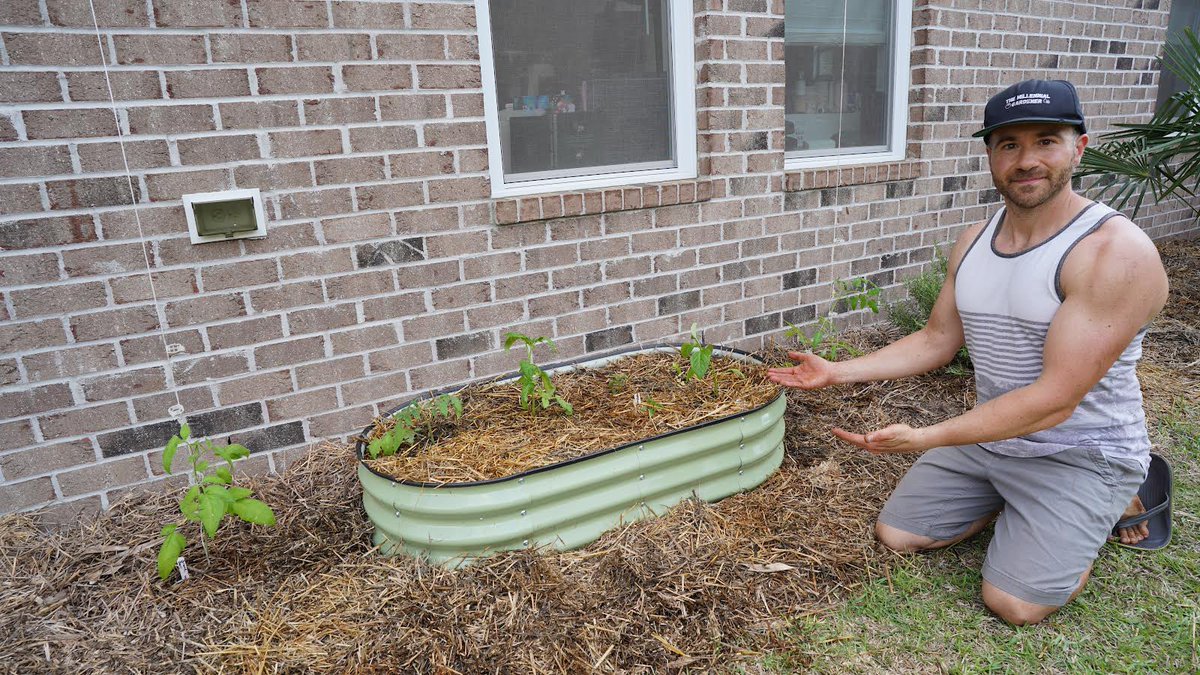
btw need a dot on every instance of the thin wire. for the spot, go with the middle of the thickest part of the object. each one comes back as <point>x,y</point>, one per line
<point>162,332</point>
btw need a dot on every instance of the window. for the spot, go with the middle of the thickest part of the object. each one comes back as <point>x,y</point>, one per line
<point>584,94</point>
<point>847,81</point>
<point>1184,14</point>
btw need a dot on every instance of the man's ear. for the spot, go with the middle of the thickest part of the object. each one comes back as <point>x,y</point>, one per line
<point>1081,142</point>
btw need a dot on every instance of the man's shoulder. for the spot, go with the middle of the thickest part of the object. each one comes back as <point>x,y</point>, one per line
<point>1117,256</point>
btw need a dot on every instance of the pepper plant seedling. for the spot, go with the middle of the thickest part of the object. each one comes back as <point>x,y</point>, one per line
<point>411,421</point>
<point>697,354</point>
<point>535,384</point>
<point>211,497</point>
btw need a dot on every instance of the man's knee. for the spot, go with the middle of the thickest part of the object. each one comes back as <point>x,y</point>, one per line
<point>900,541</point>
<point>1013,609</point>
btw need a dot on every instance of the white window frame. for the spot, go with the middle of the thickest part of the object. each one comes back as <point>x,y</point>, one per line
<point>683,115</point>
<point>898,132</point>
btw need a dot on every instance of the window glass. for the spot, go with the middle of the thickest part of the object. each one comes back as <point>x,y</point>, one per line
<point>838,59</point>
<point>1184,14</point>
<point>583,87</point>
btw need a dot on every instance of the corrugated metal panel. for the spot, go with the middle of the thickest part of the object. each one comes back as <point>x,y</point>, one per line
<point>571,504</point>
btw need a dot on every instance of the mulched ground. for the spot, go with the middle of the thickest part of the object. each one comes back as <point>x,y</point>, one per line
<point>705,586</point>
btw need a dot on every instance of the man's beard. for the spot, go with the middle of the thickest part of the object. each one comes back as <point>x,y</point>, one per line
<point>1031,199</point>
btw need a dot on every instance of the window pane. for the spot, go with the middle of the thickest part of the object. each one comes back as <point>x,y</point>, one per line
<point>838,94</point>
<point>583,86</point>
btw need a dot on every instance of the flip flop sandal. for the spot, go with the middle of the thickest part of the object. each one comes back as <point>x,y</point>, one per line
<point>1155,494</point>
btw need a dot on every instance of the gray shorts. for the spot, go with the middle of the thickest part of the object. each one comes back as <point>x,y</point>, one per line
<point>1058,511</point>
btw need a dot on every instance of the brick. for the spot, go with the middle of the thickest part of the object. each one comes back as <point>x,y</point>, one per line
<point>462,133</point>
<point>160,49</point>
<point>362,339</point>
<point>19,198</point>
<point>126,85</point>
<point>255,47</point>
<point>412,106</point>
<point>341,422</point>
<point>92,192</point>
<point>393,306</point>
<point>288,14</point>
<point>149,348</point>
<point>678,303</point>
<point>383,138</point>
<point>45,459</point>
<point>17,496</point>
<point>137,439</point>
<point>339,111</point>
<point>259,114</point>
<point>197,14</point>
<point>256,387</point>
<point>421,164</point>
<point>245,332</point>
<point>460,189</point>
<point>270,438</point>
<point>43,232</point>
<point>119,13</point>
<point>51,49</point>
<point>127,471</point>
<point>31,401</point>
<point>349,170</point>
<point>325,371</point>
<point>315,203</point>
<point>359,285</point>
<point>390,196</point>
<point>372,15</point>
<point>356,228</point>
<point>167,284</point>
<point>440,375</point>
<point>302,405</point>
<point>403,357</point>
<point>207,83</point>
<point>443,16</point>
<point>335,47</point>
<point>203,309</point>
<point>75,123</point>
<point>97,157</point>
<point>35,161</point>
<point>274,176</point>
<point>286,296</point>
<point>295,80</point>
<point>9,372</point>
<point>290,352</point>
<point>172,186</point>
<point>377,77</point>
<point>217,149</point>
<point>239,275</point>
<point>27,87</point>
<point>171,119</point>
<point>57,300</point>
<point>463,345</point>
<point>205,368</point>
<point>395,252</point>
<point>306,143</point>
<point>124,384</point>
<point>322,318</point>
<point>69,362</point>
<point>23,14</point>
<point>411,47</point>
<point>448,77</point>
<point>226,420</point>
<point>377,388</point>
<point>82,421</point>
<point>608,338</point>
<point>7,131</point>
<point>113,323</point>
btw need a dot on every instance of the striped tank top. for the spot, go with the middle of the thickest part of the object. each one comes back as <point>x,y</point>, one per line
<point>1006,302</point>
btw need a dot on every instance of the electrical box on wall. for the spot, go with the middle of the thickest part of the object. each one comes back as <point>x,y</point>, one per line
<point>229,214</point>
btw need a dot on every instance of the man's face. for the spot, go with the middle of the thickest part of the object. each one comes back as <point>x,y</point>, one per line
<point>1032,163</point>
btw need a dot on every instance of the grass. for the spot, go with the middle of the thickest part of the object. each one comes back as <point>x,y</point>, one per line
<point>1139,614</point>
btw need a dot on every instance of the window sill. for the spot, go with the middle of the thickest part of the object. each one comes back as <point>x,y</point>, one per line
<point>813,179</point>
<point>546,207</point>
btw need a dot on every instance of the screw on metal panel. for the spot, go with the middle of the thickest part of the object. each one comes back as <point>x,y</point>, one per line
<point>643,503</point>
<point>641,448</point>
<point>741,446</point>
<point>740,472</point>
<point>641,476</point>
<point>397,514</point>
<point>520,480</point>
<point>525,542</point>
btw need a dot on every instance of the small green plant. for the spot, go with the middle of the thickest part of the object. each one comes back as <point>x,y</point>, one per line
<point>911,315</point>
<point>848,295</point>
<point>414,422</point>
<point>211,497</point>
<point>617,383</point>
<point>536,386</point>
<point>697,354</point>
<point>650,406</point>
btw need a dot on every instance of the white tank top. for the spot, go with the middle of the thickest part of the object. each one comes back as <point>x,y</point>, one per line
<point>1007,301</point>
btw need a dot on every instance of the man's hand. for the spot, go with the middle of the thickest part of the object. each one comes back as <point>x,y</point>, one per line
<point>810,372</point>
<point>893,439</point>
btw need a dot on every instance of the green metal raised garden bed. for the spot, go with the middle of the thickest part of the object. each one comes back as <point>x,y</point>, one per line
<point>570,504</point>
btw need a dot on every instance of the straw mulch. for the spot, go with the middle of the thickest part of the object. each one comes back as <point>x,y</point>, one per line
<point>611,405</point>
<point>706,587</point>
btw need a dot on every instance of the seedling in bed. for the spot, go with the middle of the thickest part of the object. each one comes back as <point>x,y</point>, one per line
<point>697,354</point>
<point>210,499</point>
<point>411,421</point>
<point>535,384</point>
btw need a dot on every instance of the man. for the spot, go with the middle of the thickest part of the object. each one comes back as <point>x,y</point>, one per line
<point>1051,296</point>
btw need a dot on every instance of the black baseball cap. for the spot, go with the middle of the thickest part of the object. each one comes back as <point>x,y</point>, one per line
<point>1033,101</point>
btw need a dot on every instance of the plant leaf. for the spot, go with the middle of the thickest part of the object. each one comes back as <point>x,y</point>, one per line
<point>236,493</point>
<point>212,509</point>
<point>169,452</point>
<point>168,553</point>
<point>185,432</point>
<point>254,511</point>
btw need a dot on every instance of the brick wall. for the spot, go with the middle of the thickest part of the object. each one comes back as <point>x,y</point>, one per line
<point>385,271</point>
